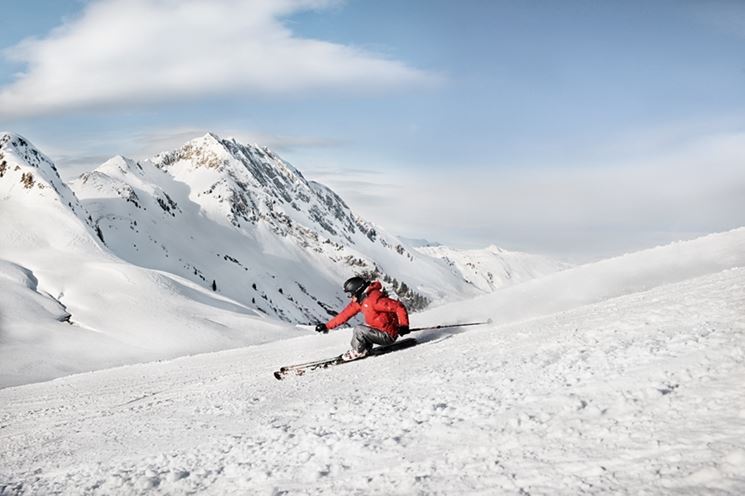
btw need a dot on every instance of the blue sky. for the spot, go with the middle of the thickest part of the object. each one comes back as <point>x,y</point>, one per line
<point>574,128</point>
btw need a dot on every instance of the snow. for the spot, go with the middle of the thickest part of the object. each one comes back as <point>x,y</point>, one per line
<point>491,268</point>
<point>620,376</point>
<point>38,343</point>
<point>599,281</point>
<point>637,392</point>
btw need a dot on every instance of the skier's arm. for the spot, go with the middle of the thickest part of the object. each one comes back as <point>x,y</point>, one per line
<point>350,311</point>
<point>394,306</point>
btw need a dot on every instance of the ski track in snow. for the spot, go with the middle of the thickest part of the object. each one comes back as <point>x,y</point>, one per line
<point>640,394</point>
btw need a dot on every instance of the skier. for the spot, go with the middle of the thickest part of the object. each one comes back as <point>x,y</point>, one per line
<point>386,319</point>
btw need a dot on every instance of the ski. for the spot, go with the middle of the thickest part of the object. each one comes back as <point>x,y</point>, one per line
<point>303,368</point>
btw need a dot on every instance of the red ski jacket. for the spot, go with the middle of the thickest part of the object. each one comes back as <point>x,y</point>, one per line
<point>381,312</point>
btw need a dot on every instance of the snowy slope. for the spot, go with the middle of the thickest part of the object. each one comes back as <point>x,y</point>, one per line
<point>599,281</point>
<point>638,394</point>
<point>39,342</point>
<point>239,215</point>
<point>491,268</point>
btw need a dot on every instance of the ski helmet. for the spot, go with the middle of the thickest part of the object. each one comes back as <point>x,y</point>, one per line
<point>355,286</point>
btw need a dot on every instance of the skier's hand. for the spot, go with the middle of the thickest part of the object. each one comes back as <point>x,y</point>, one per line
<point>403,330</point>
<point>322,328</point>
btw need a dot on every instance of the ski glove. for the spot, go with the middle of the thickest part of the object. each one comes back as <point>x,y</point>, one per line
<point>322,328</point>
<point>403,330</point>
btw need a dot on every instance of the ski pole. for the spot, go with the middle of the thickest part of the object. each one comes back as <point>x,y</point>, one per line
<point>442,326</point>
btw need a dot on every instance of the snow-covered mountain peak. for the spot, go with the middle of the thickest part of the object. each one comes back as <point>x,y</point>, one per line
<point>39,209</point>
<point>35,168</point>
<point>15,143</point>
<point>230,158</point>
<point>29,176</point>
<point>206,151</point>
<point>114,178</point>
<point>119,173</point>
<point>98,184</point>
<point>248,185</point>
<point>120,165</point>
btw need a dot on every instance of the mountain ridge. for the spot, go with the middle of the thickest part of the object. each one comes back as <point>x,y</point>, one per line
<point>255,206</point>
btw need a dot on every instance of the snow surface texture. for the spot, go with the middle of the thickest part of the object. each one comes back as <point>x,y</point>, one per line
<point>123,271</point>
<point>632,386</point>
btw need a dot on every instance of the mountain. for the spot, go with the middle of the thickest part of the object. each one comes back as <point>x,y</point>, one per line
<point>239,215</point>
<point>617,377</point>
<point>39,209</point>
<point>492,268</point>
<point>68,304</point>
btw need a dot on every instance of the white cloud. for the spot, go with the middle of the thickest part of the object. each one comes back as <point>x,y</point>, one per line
<point>577,212</point>
<point>121,52</point>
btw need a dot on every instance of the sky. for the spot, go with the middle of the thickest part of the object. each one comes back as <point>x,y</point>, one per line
<point>577,129</point>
